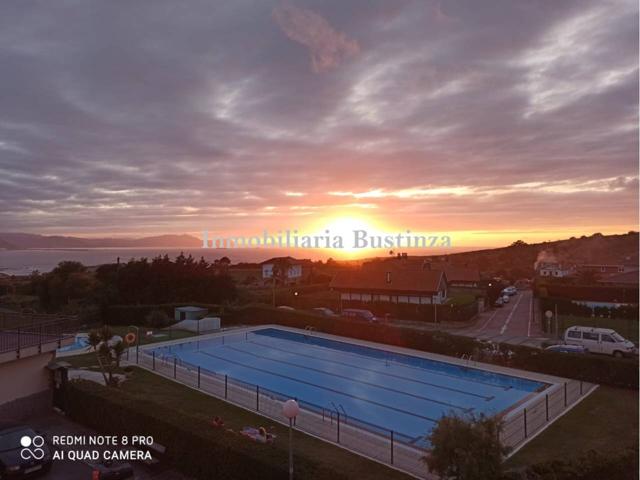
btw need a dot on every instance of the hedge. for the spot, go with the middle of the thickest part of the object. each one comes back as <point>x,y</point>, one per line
<point>136,314</point>
<point>567,306</point>
<point>594,369</point>
<point>192,446</point>
<point>590,466</point>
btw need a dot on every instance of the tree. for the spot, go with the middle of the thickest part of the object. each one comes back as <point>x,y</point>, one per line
<point>278,275</point>
<point>466,448</point>
<point>157,319</point>
<point>108,352</point>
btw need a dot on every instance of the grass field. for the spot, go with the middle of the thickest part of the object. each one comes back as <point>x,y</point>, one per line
<point>168,334</point>
<point>606,421</point>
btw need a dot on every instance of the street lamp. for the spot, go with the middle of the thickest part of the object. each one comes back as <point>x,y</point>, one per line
<point>290,409</point>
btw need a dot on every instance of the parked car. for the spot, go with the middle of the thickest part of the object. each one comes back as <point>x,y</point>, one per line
<point>510,291</point>
<point>325,312</point>
<point>498,303</point>
<point>19,459</point>
<point>599,340</point>
<point>567,348</point>
<point>359,314</point>
<point>505,298</point>
<point>110,470</point>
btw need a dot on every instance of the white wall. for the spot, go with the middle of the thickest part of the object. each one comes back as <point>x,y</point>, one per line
<point>24,377</point>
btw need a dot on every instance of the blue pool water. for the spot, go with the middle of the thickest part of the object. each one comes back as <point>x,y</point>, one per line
<point>80,342</point>
<point>392,391</point>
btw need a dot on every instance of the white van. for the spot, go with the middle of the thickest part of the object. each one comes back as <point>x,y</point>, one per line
<point>599,340</point>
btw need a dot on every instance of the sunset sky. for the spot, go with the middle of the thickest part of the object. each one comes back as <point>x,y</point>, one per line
<point>491,121</point>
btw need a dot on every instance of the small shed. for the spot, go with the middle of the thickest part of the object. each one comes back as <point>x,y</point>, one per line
<point>189,313</point>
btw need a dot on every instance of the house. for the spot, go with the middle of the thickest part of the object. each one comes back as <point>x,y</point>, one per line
<point>189,313</point>
<point>25,354</point>
<point>459,277</point>
<point>391,283</point>
<point>554,269</point>
<point>605,269</point>
<point>296,270</point>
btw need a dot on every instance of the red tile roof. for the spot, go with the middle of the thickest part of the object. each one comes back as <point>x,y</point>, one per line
<point>374,277</point>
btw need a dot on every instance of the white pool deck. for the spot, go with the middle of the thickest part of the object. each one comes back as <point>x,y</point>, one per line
<point>521,423</point>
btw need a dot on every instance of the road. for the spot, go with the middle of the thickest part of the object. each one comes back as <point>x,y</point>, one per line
<point>515,323</point>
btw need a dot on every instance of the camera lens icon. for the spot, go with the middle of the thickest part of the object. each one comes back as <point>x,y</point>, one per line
<point>32,447</point>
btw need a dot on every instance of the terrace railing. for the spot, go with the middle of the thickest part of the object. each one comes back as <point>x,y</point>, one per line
<point>331,424</point>
<point>28,335</point>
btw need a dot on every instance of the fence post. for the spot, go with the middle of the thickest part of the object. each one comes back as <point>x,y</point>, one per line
<point>525,423</point>
<point>565,394</point>
<point>546,405</point>
<point>175,367</point>
<point>257,398</point>
<point>154,359</point>
<point>198,376</point>
<point>391,447</point>
<point>225,384</point>
<point>338,423</point>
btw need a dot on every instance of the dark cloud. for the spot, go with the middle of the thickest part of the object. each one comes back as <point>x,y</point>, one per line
<point>155,116</point>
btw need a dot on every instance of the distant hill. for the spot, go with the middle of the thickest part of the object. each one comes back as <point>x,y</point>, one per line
<point>519,259</point>
<point>23,241</point>
<point>4,245</point>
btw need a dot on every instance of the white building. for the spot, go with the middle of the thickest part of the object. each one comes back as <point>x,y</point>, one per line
<point>557,270</point>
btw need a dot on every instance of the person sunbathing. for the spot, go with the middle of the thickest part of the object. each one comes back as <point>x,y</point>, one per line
<point>217,422</point>
<point>259,435</point>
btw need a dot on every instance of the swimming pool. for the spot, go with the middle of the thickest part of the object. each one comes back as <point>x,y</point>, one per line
<point>393,391</point>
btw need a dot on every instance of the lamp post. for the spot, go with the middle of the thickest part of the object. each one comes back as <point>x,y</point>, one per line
<point>290,409</point>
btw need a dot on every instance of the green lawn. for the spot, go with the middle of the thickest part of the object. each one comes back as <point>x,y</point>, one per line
<point>607,420</point>
<point>167,334</point>
<point>148,386</point>
<point>628,328</point>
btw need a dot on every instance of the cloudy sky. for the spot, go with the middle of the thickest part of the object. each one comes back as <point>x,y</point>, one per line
<point>491,120</point>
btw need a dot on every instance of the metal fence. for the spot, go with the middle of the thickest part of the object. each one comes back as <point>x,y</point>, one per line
<point>36,335</point>
<point>525,422</point>
<point>336,426</point>
<point>333,425</point>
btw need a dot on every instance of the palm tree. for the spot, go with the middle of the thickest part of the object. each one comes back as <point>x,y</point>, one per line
<point>108,353</point>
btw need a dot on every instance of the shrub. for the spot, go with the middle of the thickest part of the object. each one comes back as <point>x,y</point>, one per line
<point>157,319</point>
<point>466,448</point>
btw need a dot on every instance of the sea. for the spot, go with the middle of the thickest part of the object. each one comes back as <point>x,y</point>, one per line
<point>24,262</point>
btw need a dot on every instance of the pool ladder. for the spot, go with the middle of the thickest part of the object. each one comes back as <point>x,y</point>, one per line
<point>338,410</point>
<point>468,359</point>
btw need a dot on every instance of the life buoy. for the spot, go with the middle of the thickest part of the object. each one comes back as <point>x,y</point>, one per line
<point>130,338</point>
